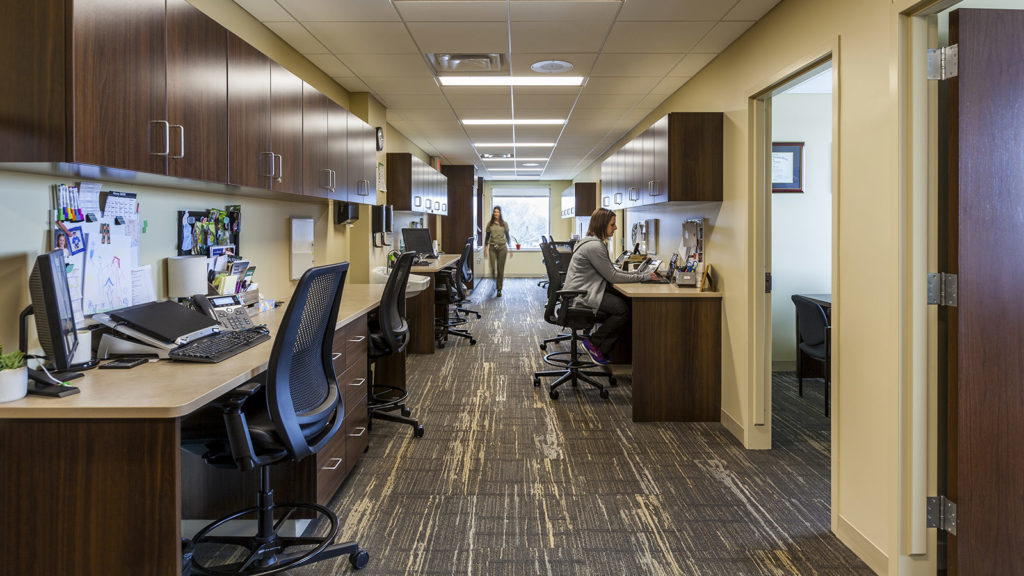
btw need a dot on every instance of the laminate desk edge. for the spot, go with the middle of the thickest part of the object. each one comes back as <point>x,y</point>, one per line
<point>357,301</point>
<point>641,290</point>
<point>442,261</point>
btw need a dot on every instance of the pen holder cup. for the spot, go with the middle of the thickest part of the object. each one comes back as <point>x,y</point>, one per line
<point>13,384</point>
<point>686,278</point>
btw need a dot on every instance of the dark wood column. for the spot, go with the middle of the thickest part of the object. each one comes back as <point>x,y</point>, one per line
<point>458,225</point>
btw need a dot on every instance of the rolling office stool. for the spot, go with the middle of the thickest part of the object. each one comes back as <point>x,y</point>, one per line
<point>389,334</point>
<point>575,318</point>
<point>287,413</point>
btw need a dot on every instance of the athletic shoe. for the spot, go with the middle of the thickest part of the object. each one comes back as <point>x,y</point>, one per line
<point>595,353</point>
<point>499,294</point>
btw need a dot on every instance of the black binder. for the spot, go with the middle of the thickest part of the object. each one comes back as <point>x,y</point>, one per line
<point>166,321</point>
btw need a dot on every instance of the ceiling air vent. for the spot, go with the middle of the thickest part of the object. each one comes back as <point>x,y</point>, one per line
<point>453,63</point>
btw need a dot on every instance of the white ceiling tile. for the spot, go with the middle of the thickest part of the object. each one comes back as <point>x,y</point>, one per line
<point>472,112</point>
<point>478,97</point>
<point>298,37</point>
<point>750,9</point>
<point>617,64</point>
<point>489,133</point>
<point>452,11</point>
<point>398,85</point>
<point>649,103</point>
<point>621,84</point>
<point>363,37</point>
<point>330,64</point>
<point>537,133</point>
<point>547,90</point>
<point>265,10</point>
<point>671,37</point>
<point>352,84</point>
<point>607,100</point>
<point>691,64</point>
<point>335,11</point>
<point>669,85</point>
<point>582,36</point>
<point>723,34</point>
<point>460,36</point>
<point>420,102</point>
<point>665,10</point>
<point>522,11</point>
<point>543,102</point>
<point>521,61</point>
<point>387,65</point>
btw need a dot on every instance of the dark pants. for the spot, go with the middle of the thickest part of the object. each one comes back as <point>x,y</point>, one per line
<point>614,315</point>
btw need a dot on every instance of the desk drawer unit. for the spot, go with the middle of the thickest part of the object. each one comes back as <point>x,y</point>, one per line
<point>353,386</point>
<point>357,434</point>
<point>355,343</point>
<point>331,466</point>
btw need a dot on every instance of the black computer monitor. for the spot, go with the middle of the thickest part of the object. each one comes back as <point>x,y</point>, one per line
<point>55,319</point>
<point>418,240</point>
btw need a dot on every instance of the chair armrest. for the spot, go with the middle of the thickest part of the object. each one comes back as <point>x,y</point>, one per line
<point>236,425</point>
<point>570,293</point>
<point>233,400</point>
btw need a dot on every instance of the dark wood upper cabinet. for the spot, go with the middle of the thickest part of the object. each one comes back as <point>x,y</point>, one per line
<point>285,129</point>
<point>415,186</point>
<point>197,94</point>
<point>118,84</point>
<point>317,178</point>
<point>586,198</point>
<point>362,161</point>
<point>337,150</point>
<point>250,161</point>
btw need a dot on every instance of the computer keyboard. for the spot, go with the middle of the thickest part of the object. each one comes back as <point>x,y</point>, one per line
<point>220,346</point>
<point>661,280</point>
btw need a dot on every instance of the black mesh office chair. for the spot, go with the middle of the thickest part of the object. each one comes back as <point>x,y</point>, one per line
<point>389,334</point>
<point>446,295</point>
<point>289,412</point>
<point>814,335</point>
<point>464,275</point>
<point>560,310</point>
<point>552,267</point>
<point>543,283</point>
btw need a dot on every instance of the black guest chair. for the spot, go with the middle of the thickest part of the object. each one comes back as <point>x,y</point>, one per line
<point>446,296</point>
<point>389,334</point>
<point>814,340</point>
<point>289,412</point>
<point>562,311</point>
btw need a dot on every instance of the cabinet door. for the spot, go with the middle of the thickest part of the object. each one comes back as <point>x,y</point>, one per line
<point>659,151</point>
<point>370,144</point>
<point>316,172</point>
<point>606,184</point>
<point>337,150</point>
<point>119,85</point>
<point>358,180</point>
<point>197,94</point>
<point>286,129</point>
<point>647,166</point>
<point>250,162</point>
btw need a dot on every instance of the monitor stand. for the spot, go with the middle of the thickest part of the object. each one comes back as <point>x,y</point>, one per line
<point>40,384</point>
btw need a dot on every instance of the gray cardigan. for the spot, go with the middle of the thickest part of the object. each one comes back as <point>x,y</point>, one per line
<point>591,269</point>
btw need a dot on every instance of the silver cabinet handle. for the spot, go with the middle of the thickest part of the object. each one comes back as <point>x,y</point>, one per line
<point>327,172</point>
<point>366,188</point>
<point>335,356</point>
<point>444,207</point>
<point>618,197</point>
<point>167,137</point>
<point>181,141</point>
<point>333,464</point>
<point>334,180</point>
<point>271,154</point>
<point>605,201</point>
<point>280,166</point>
<point>357,382</point>
<point>417,201</point>
<point>656,189</point>
<point>430,204</point>
<point>357,339</point>
<point>362,430</point>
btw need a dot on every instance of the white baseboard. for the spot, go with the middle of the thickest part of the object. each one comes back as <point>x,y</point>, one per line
<point>862,547</point>
<point>732,425</point>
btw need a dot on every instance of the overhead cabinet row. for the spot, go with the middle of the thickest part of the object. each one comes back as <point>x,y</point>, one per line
<point>679,158</point>
<point>156,86</point>
<point>416,186</point>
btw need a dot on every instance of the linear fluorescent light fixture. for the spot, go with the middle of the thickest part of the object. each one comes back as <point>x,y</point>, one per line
<point>510,159</point>
<point>510,80</point>
<point>516,122</point>
<point>516,144</point>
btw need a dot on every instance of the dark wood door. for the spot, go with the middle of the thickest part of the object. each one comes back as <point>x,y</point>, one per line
<point>337,150</point>
<point>286,129</point>
<point>119,85</point>
<point>316,172</point>
<point>250,162</point>
<point>986,386</point>
<point>197,94</point>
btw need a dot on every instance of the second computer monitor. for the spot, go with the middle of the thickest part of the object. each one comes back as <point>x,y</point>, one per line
<point>418,240</point>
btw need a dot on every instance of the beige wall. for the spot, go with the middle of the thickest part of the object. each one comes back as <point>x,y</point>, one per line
<point>867,278</point>
<point>523,262</point>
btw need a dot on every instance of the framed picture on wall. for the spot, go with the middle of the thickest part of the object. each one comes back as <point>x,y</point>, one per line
<point>787,166</point>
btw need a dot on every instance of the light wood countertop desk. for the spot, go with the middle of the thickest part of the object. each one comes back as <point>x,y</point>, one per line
<point>676,348</point>
<point>92,481</point>
<point>420,308</point>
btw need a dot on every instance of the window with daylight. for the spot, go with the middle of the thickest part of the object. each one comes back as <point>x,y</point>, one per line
<point>527,211</point>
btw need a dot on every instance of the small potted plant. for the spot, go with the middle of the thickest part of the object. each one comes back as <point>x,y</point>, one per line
<point>518,245</point>
<point>13,376</point>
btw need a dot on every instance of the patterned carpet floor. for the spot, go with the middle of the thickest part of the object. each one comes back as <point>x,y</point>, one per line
<point>506,481</point>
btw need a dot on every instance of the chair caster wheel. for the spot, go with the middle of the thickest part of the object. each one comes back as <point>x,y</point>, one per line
<point>406,411</point>
<point>536,381</point>
<point>418,431</point>
<point>553,394</point>
<point>359,559</point>
<point>440,344</point>
<point>613,382</point>
<point>544,347</point>
<point>604,394</point>
<point>472,342</point>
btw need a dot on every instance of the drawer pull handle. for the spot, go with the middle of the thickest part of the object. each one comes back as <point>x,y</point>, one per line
<point>357,382</point>
<point>362,430</point>
<point>332,464</point>
<point>357,339</point>
<point>336,355</point>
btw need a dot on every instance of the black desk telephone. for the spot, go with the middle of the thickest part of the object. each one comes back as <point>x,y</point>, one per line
<point>229,310</point>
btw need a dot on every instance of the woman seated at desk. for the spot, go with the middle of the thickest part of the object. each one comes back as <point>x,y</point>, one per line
<point>591,270</point>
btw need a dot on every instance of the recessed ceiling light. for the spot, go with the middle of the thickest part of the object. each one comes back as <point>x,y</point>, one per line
<point>530,164</point>
<point>516,122</point>
<point>551,66</point>
<point>510,80</point>
<point>501,169</point>
<point>516,144</point>
<point>509,158</point>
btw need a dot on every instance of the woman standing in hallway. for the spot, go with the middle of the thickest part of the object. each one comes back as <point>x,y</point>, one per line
<point>592,271</point>
<point>498,240</point>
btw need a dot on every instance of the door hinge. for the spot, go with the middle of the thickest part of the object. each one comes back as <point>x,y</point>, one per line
<point>767,282</point>
<point>942,289</point>
<point>943,63</point>
<point>942,514</point>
